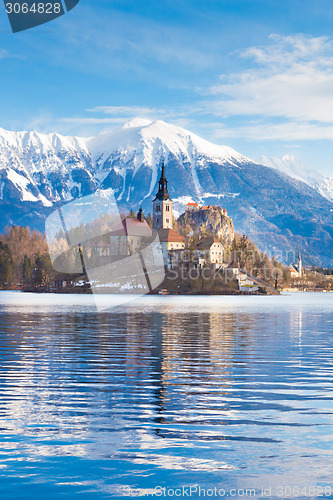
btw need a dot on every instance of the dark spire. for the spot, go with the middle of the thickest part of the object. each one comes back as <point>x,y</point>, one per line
<point>163,178</point>
<point>162,193</point>
<point>140,215</point>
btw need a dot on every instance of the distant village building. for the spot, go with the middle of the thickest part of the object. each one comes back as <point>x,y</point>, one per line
<point>63,281</point>
<point>296,270</point>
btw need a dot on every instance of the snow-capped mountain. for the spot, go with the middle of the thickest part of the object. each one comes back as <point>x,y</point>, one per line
<point>292,166</point>
<point>35,167</point>
<point>325,188</point>
<point>280,213</point>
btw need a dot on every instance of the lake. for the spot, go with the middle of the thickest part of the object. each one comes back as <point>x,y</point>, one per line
<point>166,396</point>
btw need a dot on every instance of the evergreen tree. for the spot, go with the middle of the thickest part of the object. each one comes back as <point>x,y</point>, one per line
<point>149,219</point>
<point>27,270</point>
<point>42,273</point>
<point>6,266</point>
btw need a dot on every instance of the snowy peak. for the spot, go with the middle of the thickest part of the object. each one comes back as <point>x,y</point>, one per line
<point>137,122</point>
<point>52,167</point>
<point>277,211</point>
<point>325,188</point>
<point>148,135</point>
<point>292,166</point>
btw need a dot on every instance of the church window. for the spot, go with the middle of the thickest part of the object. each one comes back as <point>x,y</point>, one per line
<point>167,208</point>
<point>167,221</point>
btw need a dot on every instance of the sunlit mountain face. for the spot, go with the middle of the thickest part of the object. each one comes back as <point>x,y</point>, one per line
<point>279,212</point>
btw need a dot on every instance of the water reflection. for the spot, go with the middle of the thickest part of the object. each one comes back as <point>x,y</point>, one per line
<point>227,397</point>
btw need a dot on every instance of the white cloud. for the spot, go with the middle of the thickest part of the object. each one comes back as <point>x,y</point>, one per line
<point>291,78</point>
<point>291,131</point>
<point>5,54</point>
<point>126,111</point>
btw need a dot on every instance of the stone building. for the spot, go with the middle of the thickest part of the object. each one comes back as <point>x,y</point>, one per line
<point>209,251</point>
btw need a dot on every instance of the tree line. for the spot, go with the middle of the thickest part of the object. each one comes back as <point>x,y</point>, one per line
<point>24,259</point>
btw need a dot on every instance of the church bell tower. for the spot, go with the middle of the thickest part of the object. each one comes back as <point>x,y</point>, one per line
<point>162,205</point>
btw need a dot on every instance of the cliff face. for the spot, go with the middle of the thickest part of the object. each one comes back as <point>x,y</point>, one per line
<point>211,221</point>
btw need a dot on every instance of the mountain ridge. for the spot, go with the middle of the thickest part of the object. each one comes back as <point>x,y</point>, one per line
<point>41,171</point>
<point>292,166</point>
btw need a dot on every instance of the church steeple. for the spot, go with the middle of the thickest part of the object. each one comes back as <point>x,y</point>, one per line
<point>162,205</point>
<point>299,264</point>
<point>140,215</point>
<point>162,193</point>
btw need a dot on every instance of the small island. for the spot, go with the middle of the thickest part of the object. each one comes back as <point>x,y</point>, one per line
<point>199,253</point>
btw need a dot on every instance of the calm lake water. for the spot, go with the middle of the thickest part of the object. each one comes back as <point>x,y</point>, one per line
<point>231,393</point>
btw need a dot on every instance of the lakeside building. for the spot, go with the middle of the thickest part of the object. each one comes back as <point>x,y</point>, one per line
<point>296,270</point>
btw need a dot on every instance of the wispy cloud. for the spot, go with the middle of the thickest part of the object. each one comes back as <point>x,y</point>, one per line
<point>290,131</point>
<point>5,54</point>
<point>291,78</point>
<point>284,92</point>
<point>127,111</point>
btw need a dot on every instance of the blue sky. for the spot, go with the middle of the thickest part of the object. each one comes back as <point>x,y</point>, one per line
<point>255,75</point>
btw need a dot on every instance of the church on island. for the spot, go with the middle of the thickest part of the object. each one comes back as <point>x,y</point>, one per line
<point>163,221</point>
<point>132,235</point>
<point>209,250</point>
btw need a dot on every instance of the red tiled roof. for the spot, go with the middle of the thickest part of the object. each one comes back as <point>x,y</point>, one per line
<point>131,227</point>
<point>170,235</point>
<point>192,205</point>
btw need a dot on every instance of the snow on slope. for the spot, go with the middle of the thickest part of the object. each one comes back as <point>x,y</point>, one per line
<point>121,145</point>
<point>325,188</point>
<point>176,140</point>
<point>50,167</point>
<point>53,167</point>
<point>28,158</point>
<point>292,166</point>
